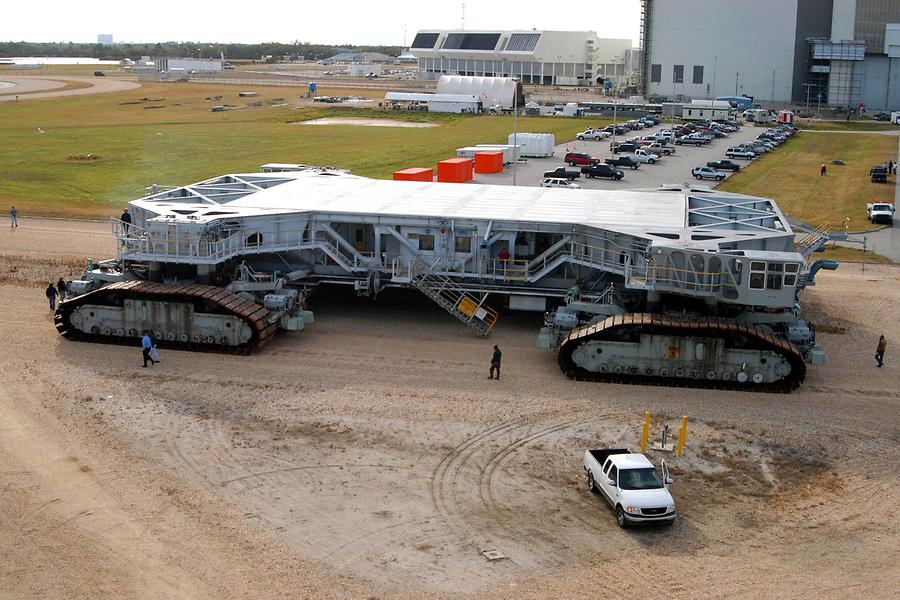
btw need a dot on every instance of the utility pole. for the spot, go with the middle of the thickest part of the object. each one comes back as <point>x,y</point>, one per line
<point>737,75</point>
<point>463,22</point>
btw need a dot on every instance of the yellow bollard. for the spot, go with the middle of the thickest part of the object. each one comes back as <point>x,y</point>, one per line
<point>682,435</point>
<point>646,433</point>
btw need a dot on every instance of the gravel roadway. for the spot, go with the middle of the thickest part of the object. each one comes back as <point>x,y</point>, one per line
<point>370,457</point>
<point>30,87</point>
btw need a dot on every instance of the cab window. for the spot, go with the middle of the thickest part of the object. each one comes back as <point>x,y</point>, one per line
<point>614,474</point>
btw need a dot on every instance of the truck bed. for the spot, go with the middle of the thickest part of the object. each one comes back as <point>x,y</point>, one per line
<point>600,455</point>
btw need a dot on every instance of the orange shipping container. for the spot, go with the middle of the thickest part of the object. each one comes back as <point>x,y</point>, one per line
<point>414,174</point>
<point>455,170</point>
<point>488,162</point>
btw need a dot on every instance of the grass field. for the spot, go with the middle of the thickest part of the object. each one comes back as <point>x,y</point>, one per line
<point>853,125</point>
<point>790,175</point>
<point>171,138</point>
<point>854,255</point>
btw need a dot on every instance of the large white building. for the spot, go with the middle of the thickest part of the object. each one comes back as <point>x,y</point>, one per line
<point>842,52</point>
<point>535,57</point>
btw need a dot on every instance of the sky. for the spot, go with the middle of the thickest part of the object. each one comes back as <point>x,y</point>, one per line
<point>363,22</point>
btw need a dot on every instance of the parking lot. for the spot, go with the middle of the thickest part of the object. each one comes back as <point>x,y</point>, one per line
<point>670,169</point>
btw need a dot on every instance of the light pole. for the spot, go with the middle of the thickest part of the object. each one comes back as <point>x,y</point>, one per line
<point>515,152</point>
<point>715,67</point>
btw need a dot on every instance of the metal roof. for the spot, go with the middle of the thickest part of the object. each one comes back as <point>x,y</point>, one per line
<point>690,216</point>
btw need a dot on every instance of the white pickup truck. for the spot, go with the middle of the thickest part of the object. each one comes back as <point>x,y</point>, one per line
<point>643,156</point>
<point>880,212</point>
<point>592,134</point>
<point>631,485</point>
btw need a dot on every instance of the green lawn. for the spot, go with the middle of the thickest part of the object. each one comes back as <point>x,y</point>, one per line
<point>790,175</point>
<point>857,124</point>
<point>182,142</point>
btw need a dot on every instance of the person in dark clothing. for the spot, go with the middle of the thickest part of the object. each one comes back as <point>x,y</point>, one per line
<point>879,351</point>
<point>495,363</point>
<point>61,289</point>
<point>823,170</point>
<point>126,220</point>
<point>51,295</point>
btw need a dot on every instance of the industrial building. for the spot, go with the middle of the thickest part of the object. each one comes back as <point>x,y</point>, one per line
<point>188,65</point>
<point>839,52</point>
<point>534,57</point>
<point>463,94</point>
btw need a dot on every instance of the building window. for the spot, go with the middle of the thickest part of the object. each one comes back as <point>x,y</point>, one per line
<point>426,242</point>
<point>678,74</point>
<point>698,73</point>
<point>655,73</point>
<point>463,244</point>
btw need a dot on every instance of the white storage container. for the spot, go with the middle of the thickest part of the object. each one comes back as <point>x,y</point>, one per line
<point>535,145</point>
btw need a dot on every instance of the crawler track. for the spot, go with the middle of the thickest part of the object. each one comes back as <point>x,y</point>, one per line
<point>737,335</point>
<point>213,299</point>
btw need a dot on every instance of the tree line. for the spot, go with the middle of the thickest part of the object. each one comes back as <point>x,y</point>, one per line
<point>184,49</point>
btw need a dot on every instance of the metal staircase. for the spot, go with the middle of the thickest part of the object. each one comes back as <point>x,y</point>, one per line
<point>808,240</point>
<point>456,301</point>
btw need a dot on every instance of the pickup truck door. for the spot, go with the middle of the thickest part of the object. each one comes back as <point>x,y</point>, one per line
<point>610,490</point>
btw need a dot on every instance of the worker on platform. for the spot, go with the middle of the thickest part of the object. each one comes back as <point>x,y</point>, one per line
<point>879,351</point>
<point>495,363</point>
<point>126,221</point>
<point>51,295</point>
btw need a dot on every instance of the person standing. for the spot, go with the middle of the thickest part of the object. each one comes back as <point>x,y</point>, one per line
<point>879,351</point>
<point>61,289</point>
<point>126,221</point>
<point>495,363</point>
<point>51,295</point>
<point>890,167</point>
<point>146,347</point>
<point>823,170</point>
<point>13,217</point>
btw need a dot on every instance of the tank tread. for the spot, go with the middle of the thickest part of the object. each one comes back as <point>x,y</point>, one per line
<point>260,319</point>
<point>706,326</point>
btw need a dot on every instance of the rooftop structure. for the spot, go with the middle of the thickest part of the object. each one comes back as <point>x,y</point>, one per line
<point>533,56</point>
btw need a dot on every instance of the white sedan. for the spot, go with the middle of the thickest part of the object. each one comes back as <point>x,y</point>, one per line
<point>558,182</point>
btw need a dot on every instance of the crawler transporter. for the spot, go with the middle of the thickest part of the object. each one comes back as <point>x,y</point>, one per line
<point>674,286</point>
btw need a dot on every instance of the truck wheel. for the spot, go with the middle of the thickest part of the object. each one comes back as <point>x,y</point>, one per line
<point>668,523</point>
<point>580,138</point>
<point>589,175</point>
<point>698,177</point>
<point>591,485</point>
<point>634,167</point>
<point>571,163</point>
<point>620,518</point>
<point>719,178</point>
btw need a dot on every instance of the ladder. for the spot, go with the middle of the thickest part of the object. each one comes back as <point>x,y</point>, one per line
<point>456,301</point>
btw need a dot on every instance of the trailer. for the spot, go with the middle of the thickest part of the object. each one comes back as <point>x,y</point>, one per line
<point>672,286</point>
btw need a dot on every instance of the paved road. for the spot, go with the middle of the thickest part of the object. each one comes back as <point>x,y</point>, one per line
<point>671,169</point>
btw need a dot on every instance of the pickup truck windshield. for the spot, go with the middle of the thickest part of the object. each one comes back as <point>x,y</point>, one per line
<point>640,479</point>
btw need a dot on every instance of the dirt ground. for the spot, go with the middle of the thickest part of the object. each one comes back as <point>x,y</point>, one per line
<point>370,457</point>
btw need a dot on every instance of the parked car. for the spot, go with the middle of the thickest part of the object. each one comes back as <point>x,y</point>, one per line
<point>738,152</point>
<point>687,140</point>
<point>632,486</point>
<point>559,182</point>
<point>622,147</point>
<point>602,170</point>
<point>880,212</point>
<point>879,174</point>
<point>563,173</point>
<point>642,156</point>
<point>657,148</point>
<point>580,158</point>
<point>623,161</point>
<point>724,165</point>
<point>707,173</point>
<point>592,134</point>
